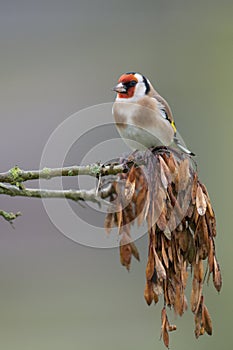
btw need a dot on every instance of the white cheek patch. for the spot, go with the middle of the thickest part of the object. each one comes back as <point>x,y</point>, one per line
<point>140,90</point>
<point>139,77</point>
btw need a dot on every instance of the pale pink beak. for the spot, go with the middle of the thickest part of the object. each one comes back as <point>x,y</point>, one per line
<point>120,88</point>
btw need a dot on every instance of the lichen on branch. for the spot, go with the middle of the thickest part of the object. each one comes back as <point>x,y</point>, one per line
<point>9,216</point>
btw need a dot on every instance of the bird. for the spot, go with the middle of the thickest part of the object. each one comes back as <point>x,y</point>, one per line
<point>142,116</point>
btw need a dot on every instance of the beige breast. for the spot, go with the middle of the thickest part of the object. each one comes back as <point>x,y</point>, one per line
<point>142,122</point>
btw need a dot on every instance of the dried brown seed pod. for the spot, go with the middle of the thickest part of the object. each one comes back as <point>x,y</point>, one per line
<point>150,267</point>
<point>141,204</point>
<point>184,175</point>
<point>217,279</point>
<point>200,201</point>
<point>198,319</point>
<point>206,319</point>
<point>135,251</point>
<point>159,267</point>
<point>164,254</point>
<point>148,292</point>
<point>109,222</point>
<point>211,255</point>
<point>125,251</point>
<point>164,327</point>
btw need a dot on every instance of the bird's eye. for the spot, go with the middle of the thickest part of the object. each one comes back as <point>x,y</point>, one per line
<point>132,83</point>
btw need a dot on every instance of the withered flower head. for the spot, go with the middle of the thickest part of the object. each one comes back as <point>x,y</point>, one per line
<point>162,188</point>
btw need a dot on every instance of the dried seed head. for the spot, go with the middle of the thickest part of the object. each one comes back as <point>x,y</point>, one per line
<point>166,193</point>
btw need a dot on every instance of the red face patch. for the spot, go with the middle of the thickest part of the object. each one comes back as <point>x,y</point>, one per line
<point>126,79</point>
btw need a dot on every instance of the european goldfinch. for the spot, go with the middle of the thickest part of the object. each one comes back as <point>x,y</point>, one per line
<point>143,118</point>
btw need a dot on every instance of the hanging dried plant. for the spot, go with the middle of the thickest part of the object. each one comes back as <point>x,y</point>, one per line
<point>162,188</point>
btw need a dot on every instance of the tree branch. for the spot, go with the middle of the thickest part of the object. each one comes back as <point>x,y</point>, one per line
<point>84,195</point>
<point>17,175</point>
<point>9,216</point>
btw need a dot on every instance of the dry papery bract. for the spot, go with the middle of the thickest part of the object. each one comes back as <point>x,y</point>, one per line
<point>162,187</point>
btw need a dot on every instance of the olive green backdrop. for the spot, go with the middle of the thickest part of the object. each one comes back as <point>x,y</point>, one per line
<point>57,57</point>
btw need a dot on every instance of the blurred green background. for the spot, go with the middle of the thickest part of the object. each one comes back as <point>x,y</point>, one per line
<point>58,57</point>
